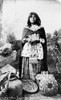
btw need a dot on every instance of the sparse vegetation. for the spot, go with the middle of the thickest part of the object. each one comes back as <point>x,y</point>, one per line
<point>54,52</point>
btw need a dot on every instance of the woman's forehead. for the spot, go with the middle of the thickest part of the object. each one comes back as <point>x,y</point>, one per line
<point>32,15</point>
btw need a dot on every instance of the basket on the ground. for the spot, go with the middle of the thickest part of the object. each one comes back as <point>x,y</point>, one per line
<point>29,86</point>
<point>47,84</point>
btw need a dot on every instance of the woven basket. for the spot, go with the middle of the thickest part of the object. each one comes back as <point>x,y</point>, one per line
<point>48,86</point>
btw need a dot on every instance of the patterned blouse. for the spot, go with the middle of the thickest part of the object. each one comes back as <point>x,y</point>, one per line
<point>33,50</point>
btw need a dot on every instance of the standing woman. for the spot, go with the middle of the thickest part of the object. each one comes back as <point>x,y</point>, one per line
<point>34,48</point>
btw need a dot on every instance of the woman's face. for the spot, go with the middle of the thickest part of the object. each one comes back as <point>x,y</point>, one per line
<point>32,19</point>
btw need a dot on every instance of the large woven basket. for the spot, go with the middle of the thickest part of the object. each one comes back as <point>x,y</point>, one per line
<point>48,85</point>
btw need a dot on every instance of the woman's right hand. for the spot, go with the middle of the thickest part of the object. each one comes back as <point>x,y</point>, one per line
<point>24,40</point>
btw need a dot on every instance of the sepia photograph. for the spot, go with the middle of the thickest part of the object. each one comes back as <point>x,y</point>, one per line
<point>30,49</point>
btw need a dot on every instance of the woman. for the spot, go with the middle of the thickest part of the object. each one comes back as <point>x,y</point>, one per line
<point>34,52</point>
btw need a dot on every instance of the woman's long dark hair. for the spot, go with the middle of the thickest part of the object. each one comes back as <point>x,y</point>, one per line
<point>37,22</point>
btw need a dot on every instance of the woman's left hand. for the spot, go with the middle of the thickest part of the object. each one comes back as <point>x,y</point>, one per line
<point>42,40</point>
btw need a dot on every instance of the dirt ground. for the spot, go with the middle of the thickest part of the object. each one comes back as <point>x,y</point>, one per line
<point>38,96</point>
<point>34,96</point>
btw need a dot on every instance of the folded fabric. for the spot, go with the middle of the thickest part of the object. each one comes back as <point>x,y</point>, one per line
<point>7,45</point>
<point>4,60</point>
<point>6,52</point>
<point>8,68</point>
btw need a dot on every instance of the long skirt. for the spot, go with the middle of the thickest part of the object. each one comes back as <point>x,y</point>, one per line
<point>30,68</point>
